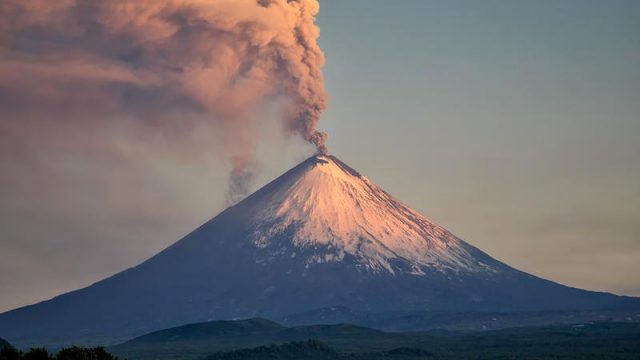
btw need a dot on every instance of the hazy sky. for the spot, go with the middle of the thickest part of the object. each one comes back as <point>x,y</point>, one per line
<point>516,125</point>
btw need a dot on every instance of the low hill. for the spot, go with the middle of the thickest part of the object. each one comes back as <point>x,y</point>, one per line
<point>214,329</point>
<point>4,343</point>
<point>196,341</point>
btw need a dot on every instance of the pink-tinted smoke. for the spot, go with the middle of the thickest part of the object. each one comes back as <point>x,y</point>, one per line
<point>162,64</point>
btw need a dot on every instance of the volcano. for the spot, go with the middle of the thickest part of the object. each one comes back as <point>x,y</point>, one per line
<point>319,235</point>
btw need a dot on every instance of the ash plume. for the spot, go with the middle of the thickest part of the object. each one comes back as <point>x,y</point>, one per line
<point>161,65</point>
<point>240,179</point>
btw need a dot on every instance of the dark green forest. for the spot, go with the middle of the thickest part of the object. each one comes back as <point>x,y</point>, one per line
<point>70,353</point>
<point>315,350</point>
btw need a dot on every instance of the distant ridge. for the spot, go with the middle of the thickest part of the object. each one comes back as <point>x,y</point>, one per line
<point>212,329</point>
<point>455,320</point>
<point>196,340</point>
<point>257,339</point>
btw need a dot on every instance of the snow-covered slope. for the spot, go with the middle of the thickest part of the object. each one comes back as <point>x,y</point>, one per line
<point>331,205</point>
<point>320,235</point>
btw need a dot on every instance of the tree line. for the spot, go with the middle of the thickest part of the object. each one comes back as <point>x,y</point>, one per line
<point>69,353</point>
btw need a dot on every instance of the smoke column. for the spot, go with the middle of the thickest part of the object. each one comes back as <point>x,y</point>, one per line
<point>149,64</point>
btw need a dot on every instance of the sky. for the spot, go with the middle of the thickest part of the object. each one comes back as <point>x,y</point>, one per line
<point>515,125</point>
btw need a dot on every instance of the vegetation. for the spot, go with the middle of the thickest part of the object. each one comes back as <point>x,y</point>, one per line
<point>70,353</point>
<point>308,350</point>
<point>521,344</point>
<point>4,343</point>
<point>608,341</point>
